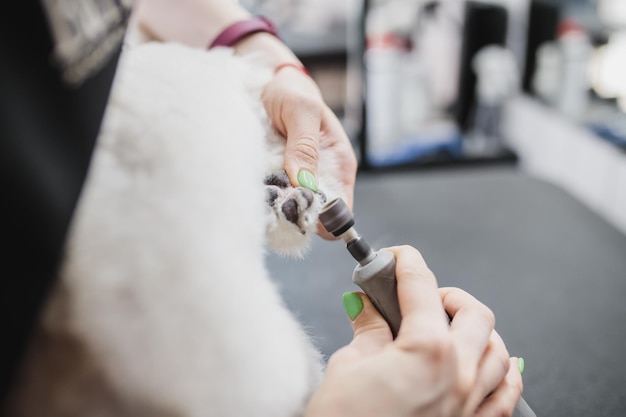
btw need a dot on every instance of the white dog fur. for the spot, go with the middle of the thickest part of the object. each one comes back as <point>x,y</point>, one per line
<point>164,306</point>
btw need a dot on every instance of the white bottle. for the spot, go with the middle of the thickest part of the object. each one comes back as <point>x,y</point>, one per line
<point>576,49</point>
<point>383,61</point>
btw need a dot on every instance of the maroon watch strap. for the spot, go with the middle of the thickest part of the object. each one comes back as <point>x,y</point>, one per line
<point>238,30</point>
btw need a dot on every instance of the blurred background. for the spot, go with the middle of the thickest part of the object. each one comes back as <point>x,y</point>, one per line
<point>491,135</point>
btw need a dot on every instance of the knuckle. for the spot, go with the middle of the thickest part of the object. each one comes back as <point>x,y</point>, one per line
<point>507,407</point>
<point>456,292</point>
<point>504,362</point>
<point>436,346</point>
<point>414,271</point>
<point>505,412</point>
<point>518,387</point>
<point>439,348</point>
<point>377,327</point>
<point>465,384</point>
<point>479,310</point>
<point>487,316</point>
<point>305,149</point>
<point>409,248</point>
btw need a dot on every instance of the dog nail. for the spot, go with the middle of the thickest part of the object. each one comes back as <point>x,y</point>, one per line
<point>308,196</point>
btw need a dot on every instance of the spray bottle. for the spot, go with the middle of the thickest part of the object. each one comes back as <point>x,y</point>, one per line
<point>375,272</point>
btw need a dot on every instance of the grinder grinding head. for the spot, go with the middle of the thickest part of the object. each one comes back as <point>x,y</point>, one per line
<point>336,217</point>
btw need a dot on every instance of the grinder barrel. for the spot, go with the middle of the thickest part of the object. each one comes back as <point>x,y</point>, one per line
<point>336,217</point>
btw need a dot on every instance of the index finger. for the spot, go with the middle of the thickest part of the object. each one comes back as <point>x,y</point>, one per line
<point>420,304</point>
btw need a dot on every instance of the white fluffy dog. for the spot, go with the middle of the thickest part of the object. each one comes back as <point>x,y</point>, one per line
<point>164,306</point>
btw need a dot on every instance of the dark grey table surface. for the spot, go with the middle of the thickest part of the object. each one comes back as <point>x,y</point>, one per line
<point>552,270</point>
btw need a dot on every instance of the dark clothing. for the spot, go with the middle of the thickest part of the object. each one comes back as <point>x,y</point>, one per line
<point>47,133</point>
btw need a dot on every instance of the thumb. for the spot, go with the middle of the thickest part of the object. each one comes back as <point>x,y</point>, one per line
<point>302,152</point>
<point>371,331</point>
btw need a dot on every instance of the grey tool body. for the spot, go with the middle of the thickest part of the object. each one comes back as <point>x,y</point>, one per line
<point>376,273</point>
<point>377,279</point>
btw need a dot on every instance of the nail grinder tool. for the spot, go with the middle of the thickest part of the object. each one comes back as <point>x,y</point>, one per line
<point>375,272</point>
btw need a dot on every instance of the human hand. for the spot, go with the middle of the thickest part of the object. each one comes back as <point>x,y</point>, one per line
<point>297,110</point>
<point>435,367</point>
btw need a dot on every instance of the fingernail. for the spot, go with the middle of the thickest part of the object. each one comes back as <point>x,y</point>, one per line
<point>520,365</point>
<point>307,179</point>
<point>353,304</point>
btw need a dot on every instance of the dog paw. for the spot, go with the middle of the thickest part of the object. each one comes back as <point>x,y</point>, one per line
<point>293,214</point>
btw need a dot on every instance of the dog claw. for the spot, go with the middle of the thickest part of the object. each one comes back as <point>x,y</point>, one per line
<point>308,196</point>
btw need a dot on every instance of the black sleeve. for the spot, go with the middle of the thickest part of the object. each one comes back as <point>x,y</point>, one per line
<point>47,132</point>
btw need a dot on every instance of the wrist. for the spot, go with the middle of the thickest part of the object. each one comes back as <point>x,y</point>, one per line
<point>239,30</point>
<point>257,35</point>
<point>274,51</point>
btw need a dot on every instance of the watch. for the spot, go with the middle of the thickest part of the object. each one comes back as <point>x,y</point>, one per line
<point>239,30</point>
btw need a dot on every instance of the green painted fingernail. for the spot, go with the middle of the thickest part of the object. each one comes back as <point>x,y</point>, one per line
<point>307,179</point>
<point>520,365</point>
<point>353,304</point>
